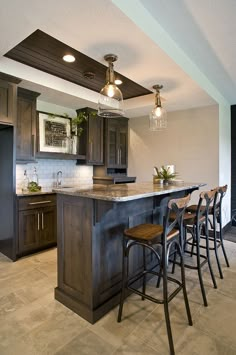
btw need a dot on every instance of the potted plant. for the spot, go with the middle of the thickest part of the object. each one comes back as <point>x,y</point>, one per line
<point>77,127</point>
<point>163,175</point>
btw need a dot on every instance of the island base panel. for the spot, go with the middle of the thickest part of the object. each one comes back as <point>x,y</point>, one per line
<point>91,315</point>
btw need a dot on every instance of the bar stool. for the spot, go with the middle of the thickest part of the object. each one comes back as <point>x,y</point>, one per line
<point>148,237</point>
<point>194,223</point>
<point>216,212</point>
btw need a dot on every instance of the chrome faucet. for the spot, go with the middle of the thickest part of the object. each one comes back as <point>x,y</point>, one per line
<point>59,178</point>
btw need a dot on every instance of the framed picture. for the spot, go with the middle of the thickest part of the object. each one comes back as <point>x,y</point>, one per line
<point>54,133</point>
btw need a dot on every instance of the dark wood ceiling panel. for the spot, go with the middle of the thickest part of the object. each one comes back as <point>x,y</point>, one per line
<point>45,53</point>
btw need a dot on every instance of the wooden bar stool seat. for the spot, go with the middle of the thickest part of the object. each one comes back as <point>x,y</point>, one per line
<point>150,237</point>
<point>188,218</point>
<point>150,233</point>
<point>193,209</point>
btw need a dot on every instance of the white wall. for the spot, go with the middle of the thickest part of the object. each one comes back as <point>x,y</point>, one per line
<point>56,109</point>
<point>190,142</point>
<point>225,157</point>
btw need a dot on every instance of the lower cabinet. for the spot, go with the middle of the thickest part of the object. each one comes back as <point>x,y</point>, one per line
<point>36,223</point>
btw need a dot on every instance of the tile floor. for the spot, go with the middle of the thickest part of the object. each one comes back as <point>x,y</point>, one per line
<point>33,323</point>
<point>231,234</point>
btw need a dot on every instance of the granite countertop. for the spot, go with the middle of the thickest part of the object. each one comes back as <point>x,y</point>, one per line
<point>125,192</point>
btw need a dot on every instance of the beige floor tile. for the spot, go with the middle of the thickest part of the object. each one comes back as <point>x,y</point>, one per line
<point>87,343</point>
<point>227,286</point>
<point>219,318</point>
<point>54,333</point>
<point>132,346</point>
<point>134,311</point>
<point>10,303</point>
<point>33,322</point>
<point>196,342</point>
<point>152,330</point>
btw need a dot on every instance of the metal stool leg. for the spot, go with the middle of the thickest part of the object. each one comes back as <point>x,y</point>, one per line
<point>222,245</point>
<point>124,280</point>
<point>166,306</point>
<point>144,275</point>
<point>209,258</point>
<point>217,256</point>
<point>190,322</point>
<point>160,273</point>
<point>199,269</point>
<point>181,254</point>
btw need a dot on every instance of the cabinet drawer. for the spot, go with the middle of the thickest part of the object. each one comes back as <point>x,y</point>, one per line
<point>30,202</point>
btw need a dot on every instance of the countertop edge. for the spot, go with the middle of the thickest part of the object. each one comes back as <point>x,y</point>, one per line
<point>106,193</point>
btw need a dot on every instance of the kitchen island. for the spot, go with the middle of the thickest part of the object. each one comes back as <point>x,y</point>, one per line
<point>90,224</point>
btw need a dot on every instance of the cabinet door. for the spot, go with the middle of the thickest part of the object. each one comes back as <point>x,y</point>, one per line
<point>117,142</point>
<point>7,102</point>
<point>29,226</point>
<point>123,145</point>
<point>95,140</point>
<point>25,137</point>
<point>26,125</point>
<point>112,143</point>
<point>48,225</point>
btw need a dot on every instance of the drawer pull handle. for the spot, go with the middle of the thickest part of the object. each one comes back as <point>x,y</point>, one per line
<point>38,221</point>
<point>39,203</point>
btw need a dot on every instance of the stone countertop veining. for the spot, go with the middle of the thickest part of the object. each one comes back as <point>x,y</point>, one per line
<point>125,192</point>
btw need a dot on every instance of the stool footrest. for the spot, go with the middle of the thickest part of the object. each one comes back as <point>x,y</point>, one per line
<point>150,298</point>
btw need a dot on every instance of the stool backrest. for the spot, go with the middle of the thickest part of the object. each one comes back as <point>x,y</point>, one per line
<point>177,206</point>
<point>221,191</point>
<point>206,199</point>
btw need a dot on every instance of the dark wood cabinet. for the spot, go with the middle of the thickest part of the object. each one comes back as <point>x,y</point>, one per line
<point>26,125</point>
<point>91,139</point>
<point>36,223</point>
<point>71,148</point>
<point>8,99</point>
<point>116,144</point>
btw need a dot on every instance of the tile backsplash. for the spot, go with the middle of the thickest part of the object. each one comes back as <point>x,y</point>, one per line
<point>72,174</point>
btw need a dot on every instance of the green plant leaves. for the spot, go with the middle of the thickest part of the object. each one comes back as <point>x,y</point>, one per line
<point>164,173</point>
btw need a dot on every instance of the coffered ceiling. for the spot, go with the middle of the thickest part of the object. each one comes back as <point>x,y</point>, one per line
<point>98,27</point>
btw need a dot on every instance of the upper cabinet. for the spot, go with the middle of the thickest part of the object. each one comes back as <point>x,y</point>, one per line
<point>8,90</point>
<point>116,144</point>
<point>55,139</point>
<point>91,138</point>
<point>26,125</point>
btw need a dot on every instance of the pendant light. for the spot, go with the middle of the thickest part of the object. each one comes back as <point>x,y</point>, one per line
<point>110,102</point>
<point>157,118</point>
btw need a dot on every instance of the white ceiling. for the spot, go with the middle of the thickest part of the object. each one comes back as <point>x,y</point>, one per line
<point>203,29</point>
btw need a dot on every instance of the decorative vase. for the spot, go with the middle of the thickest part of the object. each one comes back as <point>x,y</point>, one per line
<point>157,180</point>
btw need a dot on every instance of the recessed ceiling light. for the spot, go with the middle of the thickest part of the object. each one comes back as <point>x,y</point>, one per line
<point>118,81</point>
<point>69,58</point>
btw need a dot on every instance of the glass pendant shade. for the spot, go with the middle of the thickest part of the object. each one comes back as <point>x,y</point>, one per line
<point>110,102</point>
<point>158,116</point>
